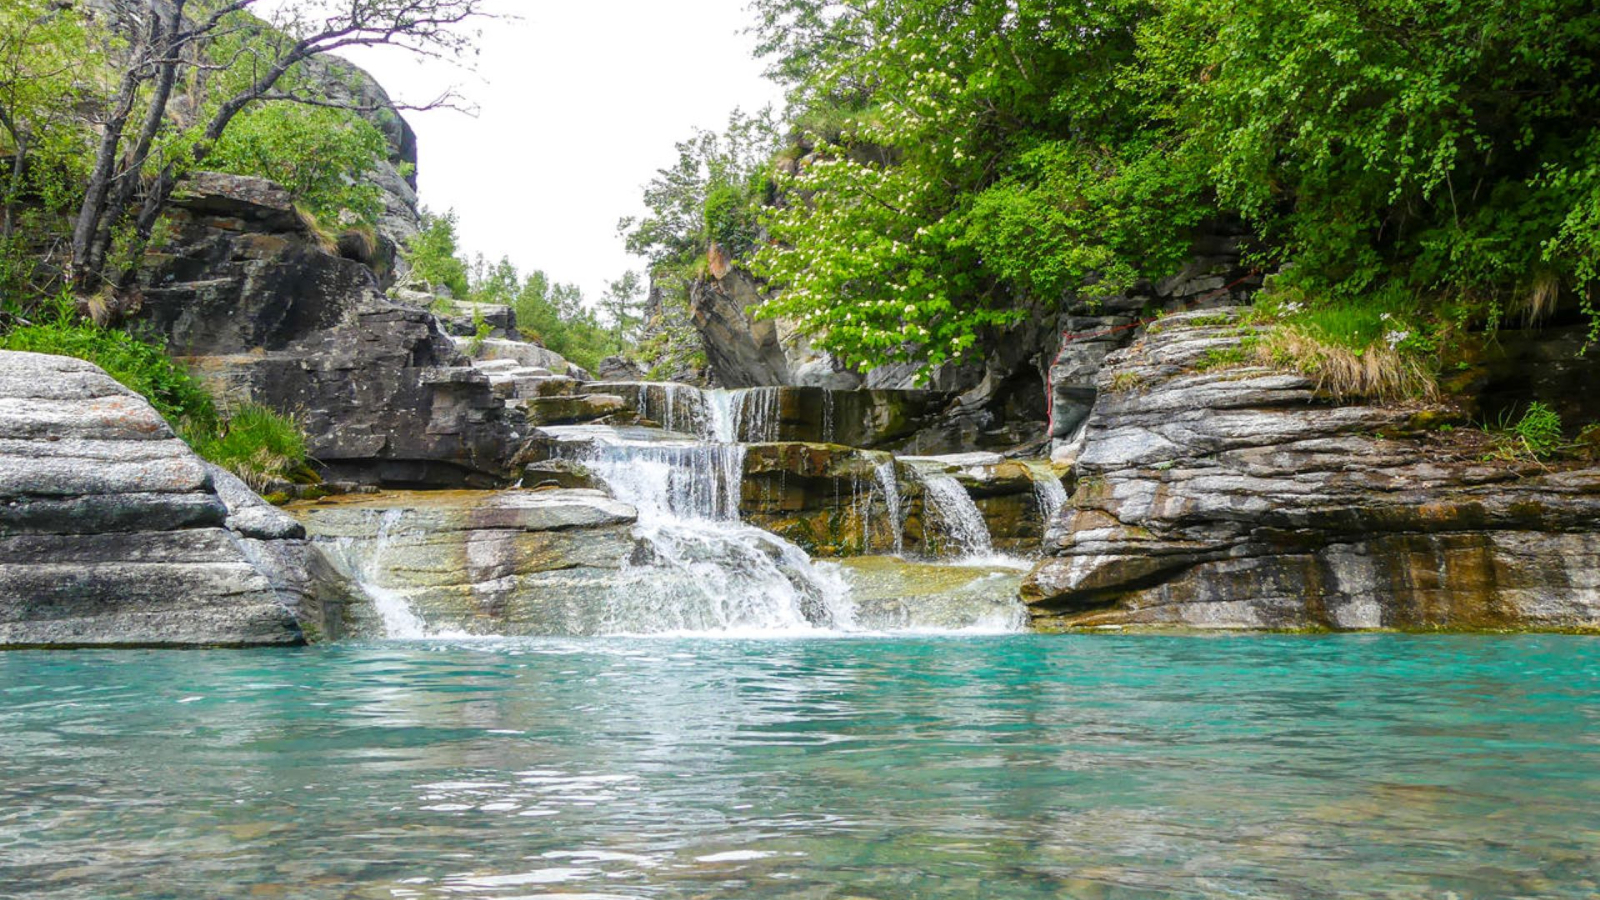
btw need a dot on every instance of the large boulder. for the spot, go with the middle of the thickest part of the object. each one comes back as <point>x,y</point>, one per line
<point>112,532</point>
<point>247,296</point>
<point>1243,497</point>
<point>743,351</point>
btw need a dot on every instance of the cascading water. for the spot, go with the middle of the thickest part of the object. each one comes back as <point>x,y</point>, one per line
<point>366,563</point>
<point>688,563</point>
<point>885,477</point>
<point>749,415</point>
<point>959,522</point>
<point>1048,491</point>
<point>704,569</point>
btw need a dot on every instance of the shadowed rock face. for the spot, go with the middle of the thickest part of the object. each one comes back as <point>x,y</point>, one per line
<point>248,298</point>
<point>743,351</point>
<point>112,532</point>
<point>1243,498</point>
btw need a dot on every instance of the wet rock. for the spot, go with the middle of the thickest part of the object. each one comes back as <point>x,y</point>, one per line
<point>571,410</point>
<point>824,497</point>
<point>504,562</point>
<point>112,532</point>
<point>892,593</point>
<point>558,473</point>
<point>1244,498</point>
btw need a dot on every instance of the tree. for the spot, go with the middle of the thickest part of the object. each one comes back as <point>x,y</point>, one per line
<point>231,60</point>
<point>713,193</point>
<point>43,53</point>
<point>622,304</point>
<point>962,162</point>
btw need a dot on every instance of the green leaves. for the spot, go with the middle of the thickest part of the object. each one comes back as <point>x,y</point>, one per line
<point>322,156</point>
<point>958,162</point>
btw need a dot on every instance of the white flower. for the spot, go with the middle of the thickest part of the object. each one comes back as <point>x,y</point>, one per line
<point>1393,338</point>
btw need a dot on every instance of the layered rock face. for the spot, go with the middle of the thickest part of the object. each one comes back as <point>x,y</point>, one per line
<point>509,562</point>
<point>112,532</point>
<point>1241,497</point>
<point>250,299</point>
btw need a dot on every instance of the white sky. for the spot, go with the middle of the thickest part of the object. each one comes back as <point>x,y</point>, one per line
<point>579,104</point>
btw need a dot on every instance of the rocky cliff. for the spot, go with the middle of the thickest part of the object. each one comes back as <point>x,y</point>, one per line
<point>113,532</point>
<point>245,293</point>
<point>1025,388</point>
<point>1237,496</point>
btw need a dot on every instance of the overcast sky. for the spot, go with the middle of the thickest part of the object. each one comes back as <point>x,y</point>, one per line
<point>579,104</point>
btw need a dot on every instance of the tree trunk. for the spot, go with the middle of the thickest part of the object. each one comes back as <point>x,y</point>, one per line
<point>166,50</point>
<point>93,210</point>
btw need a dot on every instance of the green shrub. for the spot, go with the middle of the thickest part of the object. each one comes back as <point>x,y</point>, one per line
<point>320,156</point>
<point>1536,435</point>
<point>434,255</point>
<point>257,444</point>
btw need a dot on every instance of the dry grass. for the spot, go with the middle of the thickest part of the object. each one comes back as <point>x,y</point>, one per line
<point>1376,373</point>
<point>1539,301</point>
<point>327,241</point>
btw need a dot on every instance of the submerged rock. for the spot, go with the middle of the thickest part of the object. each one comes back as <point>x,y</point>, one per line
<point>112,532</point>
<point>1241,497</point>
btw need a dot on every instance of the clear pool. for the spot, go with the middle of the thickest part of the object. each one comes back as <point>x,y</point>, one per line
<point>995,767</point>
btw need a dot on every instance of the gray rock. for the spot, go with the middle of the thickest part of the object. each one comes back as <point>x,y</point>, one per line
<point>743,351</point>
<point>268,316</point>
<point>1242,497</point>
<point>249,515</point>
<point>112,531</point>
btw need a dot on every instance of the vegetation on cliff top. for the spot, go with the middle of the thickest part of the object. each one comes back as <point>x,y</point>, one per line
<point>104,108</point>
<point>952,164</point>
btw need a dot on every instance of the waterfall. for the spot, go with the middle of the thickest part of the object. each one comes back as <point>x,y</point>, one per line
<point>1048,491</point>
<point>701,569</point>
<point>749,415</point>
<point>666,480</point>
<point>365,561</point>
<point>884,475</point>
<point>947,502</point>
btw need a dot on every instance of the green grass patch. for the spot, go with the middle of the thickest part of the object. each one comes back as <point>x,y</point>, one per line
<point>254,442</point>
<point>1536,435</point>
<point>257,444</point>
<point>1377,347</point>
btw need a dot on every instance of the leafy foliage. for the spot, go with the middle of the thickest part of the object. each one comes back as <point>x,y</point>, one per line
<point>713,193</point>
<point>321,156</point>
<point>1536,435</point>
<point>434,255</point>
<point>44,147</point>
<point>960,161</point>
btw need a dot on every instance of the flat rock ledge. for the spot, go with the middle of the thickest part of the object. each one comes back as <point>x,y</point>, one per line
<point>1241,497</point>
<point>113,533</point>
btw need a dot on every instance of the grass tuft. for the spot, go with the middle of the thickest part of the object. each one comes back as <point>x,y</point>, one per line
<point>256,443</point>
<point>1374,373</point>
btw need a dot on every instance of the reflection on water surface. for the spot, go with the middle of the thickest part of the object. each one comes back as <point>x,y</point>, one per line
<point>995,767</point>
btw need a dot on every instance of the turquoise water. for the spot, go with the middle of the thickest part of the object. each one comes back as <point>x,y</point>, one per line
<point>1006,767</point>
